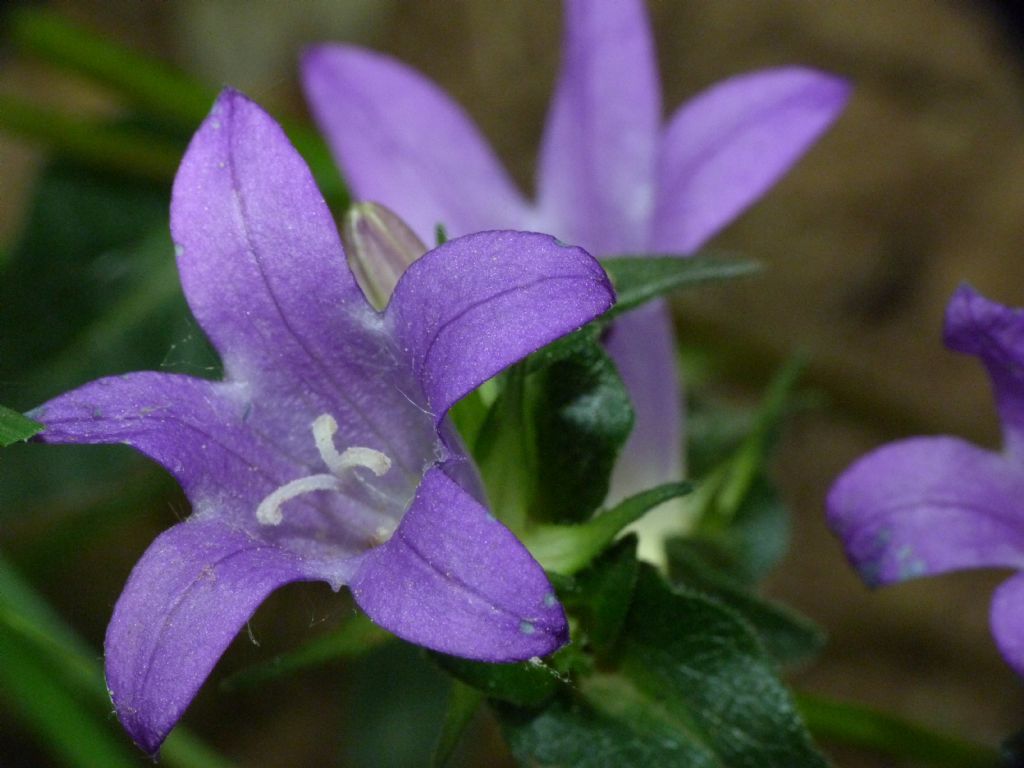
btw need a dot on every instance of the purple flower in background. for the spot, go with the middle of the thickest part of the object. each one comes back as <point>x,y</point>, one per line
<point>612,178</point>
<point>324,454</point>
<point>929,505</point>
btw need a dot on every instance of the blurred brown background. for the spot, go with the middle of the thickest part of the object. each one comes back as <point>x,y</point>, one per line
<point>919,186</point>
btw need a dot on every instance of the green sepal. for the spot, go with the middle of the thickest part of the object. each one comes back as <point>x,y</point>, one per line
<point>568,548</point>
<point>15,428</point>
<point>638,279</point>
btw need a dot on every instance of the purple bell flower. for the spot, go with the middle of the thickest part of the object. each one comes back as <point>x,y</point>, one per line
<point>324,454</point>
<point>929,505</point>
<point>612,178</point>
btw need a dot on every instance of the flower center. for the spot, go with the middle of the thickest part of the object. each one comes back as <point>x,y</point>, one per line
<point>269,510</point>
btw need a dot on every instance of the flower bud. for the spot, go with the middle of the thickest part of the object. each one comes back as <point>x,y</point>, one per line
<point>380,246</point>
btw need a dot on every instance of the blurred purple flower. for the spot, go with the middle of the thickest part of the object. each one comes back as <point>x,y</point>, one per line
<point>310,368</point>
<point>929,505</point>
<point>612,178</point>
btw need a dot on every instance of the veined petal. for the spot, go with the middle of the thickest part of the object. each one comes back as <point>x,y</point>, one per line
<point>194,428</point>
<point>642,344</point>
<point>928,505</point>
<point>726,147</point>
<point>994,333</point>
<point>264,272</point>
<point>596,176</point>
<point>1007,621</point>
<point>454,579</point>
<point>401,141</point>
<point>193,589</point>
<point>479,303</point>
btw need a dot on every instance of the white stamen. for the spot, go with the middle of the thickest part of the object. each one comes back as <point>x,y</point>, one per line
<point>375,461</point>
<point>269,510</point>
<point>324,427</point>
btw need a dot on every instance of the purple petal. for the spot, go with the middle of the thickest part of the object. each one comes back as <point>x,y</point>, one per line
<point>193,589</point>
<point>596,174</point>
<point>725,148</point>
<point>401,141</point>
<point>928,505</point>
<point>264,272</point>
<point>1007,621</point>
<point>454,579</point>
<point>193,428</point>
<point>478,304</point>
<point>977,326</point>
<point>642,344</point>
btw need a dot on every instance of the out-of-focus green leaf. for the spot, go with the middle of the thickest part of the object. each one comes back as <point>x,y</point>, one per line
<point>354,638</point>
<point>638,279</point>
<point>15,428</point>
<point>755,539</point>
<point>568,548</point>
<point>463,703</point>
<point>159,90</point>
<point>91,290</point>
<point>787,635</point>
<point>66,724</point>
<point>111,148</point>
<point>56,683</point>
<point>741,525</point>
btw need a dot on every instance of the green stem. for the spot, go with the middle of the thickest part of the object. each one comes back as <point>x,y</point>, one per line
<point>101,146</point>
<point>860,726</point>
<point>150,85</point>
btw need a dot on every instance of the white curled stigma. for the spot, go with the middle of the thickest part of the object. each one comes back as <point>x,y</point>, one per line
<point>324,427</point>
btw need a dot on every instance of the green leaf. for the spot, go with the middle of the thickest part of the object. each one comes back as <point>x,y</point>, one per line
<point>355,637</point>
<point>577,734</point>
<point>581,419</point>
<point>638,279</point>
<point>788,636</point>
<point>463,703</point>
<point>15,428</point>
<point>527,684</point>
<point>568,548</point>
<point>687,683</point>
<point>701,663</point>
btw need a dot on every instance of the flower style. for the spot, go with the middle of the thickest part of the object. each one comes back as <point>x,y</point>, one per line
<point>324,454</point>
<point>611,179</point>
<point>929,505</point>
